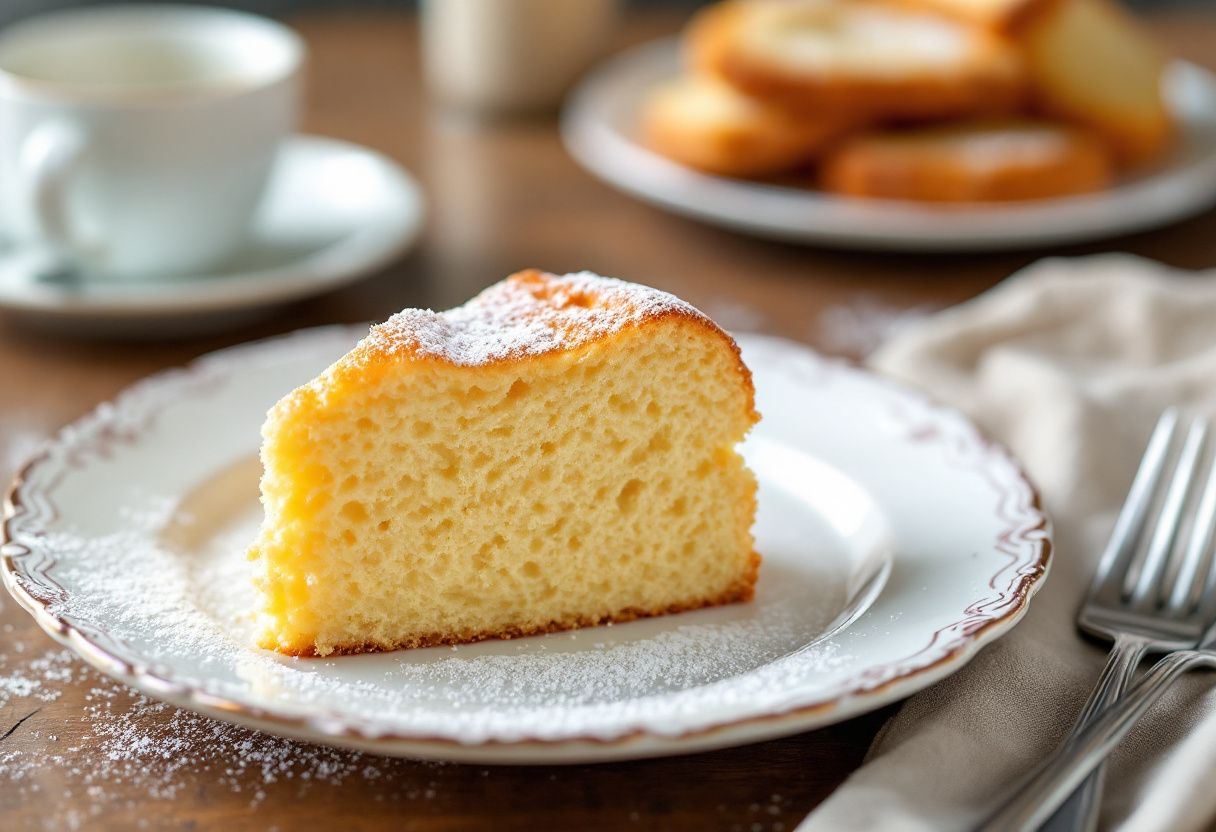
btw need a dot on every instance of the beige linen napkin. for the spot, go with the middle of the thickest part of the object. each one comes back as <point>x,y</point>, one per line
<point>1069,363</point>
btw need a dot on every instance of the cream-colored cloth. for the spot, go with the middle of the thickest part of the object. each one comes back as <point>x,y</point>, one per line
<point>1069,363</point>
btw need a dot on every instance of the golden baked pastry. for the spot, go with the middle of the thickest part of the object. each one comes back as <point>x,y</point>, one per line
<point>1090,62</point>
<point>860,57</point>
<point>703,122</point>
<point>558,452</point>
<point>981,162</point>
<point>1000,15</point>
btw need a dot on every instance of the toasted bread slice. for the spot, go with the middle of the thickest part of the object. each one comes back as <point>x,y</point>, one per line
<point>863,58</point>
<point>703,122</point>
<point>998,15</point>
<point>1090,62</point>
<point>976,162</point>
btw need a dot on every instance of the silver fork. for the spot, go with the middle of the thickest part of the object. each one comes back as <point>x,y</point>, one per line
<point>1120,580</point>
<point>1070,764</point>
<point>1151,593</point>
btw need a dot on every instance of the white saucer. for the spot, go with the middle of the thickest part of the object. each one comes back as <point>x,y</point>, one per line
<point>600,123</point>
<point>897,541</point>
<point>333,212</point>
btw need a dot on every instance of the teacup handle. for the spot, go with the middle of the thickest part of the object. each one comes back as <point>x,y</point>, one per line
<point>50,158</point>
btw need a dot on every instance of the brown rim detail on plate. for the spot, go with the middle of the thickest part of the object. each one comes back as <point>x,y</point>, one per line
<point>1025,540</point>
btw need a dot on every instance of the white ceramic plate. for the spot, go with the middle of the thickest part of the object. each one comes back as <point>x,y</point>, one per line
<point>897,541</point>
<point>333,212</point>
<point>599,127</point>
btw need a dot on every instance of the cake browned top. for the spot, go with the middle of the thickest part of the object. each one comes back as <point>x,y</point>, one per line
<point>528,314</point>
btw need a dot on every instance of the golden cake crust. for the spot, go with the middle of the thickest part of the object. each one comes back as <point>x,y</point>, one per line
<point>528,315</point>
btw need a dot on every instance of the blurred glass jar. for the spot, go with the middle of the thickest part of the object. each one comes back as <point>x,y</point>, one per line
<point>511,56</point>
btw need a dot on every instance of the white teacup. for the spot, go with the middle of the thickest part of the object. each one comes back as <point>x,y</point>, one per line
<point>137,140</point>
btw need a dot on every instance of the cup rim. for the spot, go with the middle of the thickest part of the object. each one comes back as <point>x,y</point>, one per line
<point>186,92</point>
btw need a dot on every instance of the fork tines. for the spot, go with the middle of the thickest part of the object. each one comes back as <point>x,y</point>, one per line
<point>1159,558</point>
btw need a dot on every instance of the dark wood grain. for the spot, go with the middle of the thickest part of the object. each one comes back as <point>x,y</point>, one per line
<point>503,195</point>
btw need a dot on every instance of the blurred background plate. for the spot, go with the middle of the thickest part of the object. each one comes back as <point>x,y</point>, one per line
<point>333,212</point>
<point>599,128</point>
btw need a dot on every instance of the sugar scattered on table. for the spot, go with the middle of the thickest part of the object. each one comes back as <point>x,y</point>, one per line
<point>129,742</point>
<point>859,327</point>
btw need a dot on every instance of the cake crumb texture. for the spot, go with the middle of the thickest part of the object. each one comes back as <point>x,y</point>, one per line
<point>558,452</point>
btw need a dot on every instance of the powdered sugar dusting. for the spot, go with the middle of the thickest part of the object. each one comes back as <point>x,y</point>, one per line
<point>528,314</point>
<point>858,328</point>
<point>126,745</point>
<point>149,563</point>
<point>105,757</point>
<point>170,601</point>
<point>170,583</point>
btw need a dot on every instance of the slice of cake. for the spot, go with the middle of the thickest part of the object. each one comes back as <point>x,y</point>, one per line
<point>559,452</point>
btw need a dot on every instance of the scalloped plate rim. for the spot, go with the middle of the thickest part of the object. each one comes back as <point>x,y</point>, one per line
<point>332,729</point>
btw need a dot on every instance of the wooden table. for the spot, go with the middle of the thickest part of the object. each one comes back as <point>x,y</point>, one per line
<point>502,196</point>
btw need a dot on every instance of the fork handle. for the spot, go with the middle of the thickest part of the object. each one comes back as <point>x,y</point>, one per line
<point>1080,812</point>
<point>1056,779</point>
